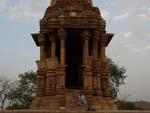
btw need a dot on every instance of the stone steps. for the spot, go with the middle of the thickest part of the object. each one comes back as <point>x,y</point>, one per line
<point>72,101</point>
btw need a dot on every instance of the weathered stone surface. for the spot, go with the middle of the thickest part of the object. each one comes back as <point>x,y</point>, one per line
<point>72,41</point>
<point>77,111</point>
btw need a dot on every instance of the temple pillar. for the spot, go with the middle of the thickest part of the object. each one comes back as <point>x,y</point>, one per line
<point>53,48</point>
<point>85,37</point>
<point>99,50</point>
<point>42,47</point>
<point>95,44</point>
<point>87,69</point>
<point>62,35</point>
<point>105,67</point>
<point>41,77</point>
<point>41,67</point>
<point>51,67</point>
<point>96,64</point>
<point>60,86</point>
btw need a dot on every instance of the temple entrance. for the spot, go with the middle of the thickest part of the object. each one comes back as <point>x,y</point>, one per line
<point>73,61</point>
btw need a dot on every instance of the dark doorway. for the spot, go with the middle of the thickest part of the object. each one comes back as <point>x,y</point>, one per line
<point>74,61</point>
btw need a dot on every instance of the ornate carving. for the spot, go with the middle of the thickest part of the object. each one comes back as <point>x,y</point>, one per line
<point>96,35</point>
<point>53,2</point>
<point>41,39</point>
<point>75,17</point>
<point>105,67</point>
<point>86,35</point>
<point>103,39</point>
<point>62,33</point>
<point>52,37</point>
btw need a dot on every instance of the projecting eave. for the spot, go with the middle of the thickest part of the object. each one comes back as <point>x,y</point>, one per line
<point>109,38</point>
<point>35,38</point>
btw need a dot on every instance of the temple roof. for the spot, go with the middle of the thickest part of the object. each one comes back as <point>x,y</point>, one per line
<point>109,38</point>
<point>53,2</point>
<point>72,14</point>
<point>35,38</point>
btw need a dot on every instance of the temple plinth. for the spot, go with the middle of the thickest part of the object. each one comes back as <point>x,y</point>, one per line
<point>72,42</point>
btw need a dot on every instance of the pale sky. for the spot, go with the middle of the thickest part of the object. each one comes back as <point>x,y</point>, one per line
<point>130,47</point>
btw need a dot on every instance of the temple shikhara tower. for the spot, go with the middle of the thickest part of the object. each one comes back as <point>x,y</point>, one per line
<point>72,41</point>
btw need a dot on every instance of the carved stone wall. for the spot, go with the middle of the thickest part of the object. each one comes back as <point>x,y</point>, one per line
<point>62,20</point>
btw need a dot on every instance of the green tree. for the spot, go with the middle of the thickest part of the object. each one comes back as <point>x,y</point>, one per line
<point>5,86</point>
<point>117,77</point>
<point>22,95</point>
<point>126,105</point>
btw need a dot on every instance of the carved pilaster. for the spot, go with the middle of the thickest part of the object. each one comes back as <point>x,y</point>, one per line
<point>105,79</point>
<point>96,35</point>
<point>62,35</point>
<point>99,50</point>
<point>97,77</point>
<point>60,83</point>
<point>50,86</point>
<point>87,63</point>
<point>40,83</point>
<point>103,41</point>
<point>41,39</point>
<point>60,80</point>
<point>87,80</point>
<point>41,74</point>
<point>51,63</point>
<point>105,70</point>
<point>96,64</point>
<point>52,40</point>
<point>85,37</point>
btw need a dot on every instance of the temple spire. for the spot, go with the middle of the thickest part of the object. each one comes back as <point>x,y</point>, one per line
<point>53,2</point>
<point>90,1</point>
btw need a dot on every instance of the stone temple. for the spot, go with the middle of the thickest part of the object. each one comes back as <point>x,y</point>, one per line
<point>72,41</point>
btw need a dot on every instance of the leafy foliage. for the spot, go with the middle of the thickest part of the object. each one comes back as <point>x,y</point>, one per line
<point>125,105</point>
<point>22,95</point>
<point>5,86</point>
<point>117,77</point>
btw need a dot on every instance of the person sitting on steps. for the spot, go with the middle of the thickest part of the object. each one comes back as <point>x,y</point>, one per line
<point>82,99</point>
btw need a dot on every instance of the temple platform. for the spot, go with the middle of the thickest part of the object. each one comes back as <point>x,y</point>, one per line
<point>53,111</point>
<point>70,102</point>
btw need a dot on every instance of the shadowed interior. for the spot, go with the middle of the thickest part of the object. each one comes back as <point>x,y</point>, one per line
<point>74,61</point>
